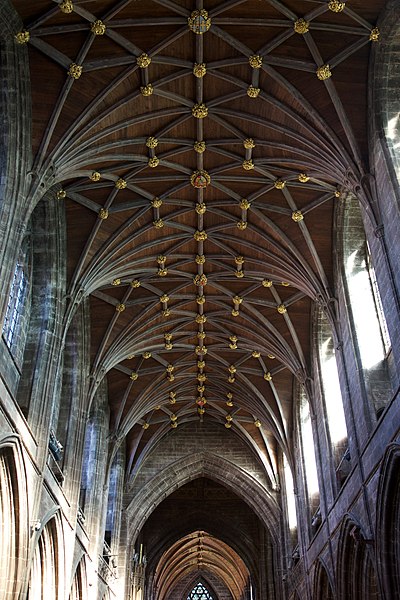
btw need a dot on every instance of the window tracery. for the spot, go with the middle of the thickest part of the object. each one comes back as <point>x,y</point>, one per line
<point>200,592</point>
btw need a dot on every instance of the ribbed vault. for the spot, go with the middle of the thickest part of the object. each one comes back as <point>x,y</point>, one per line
<point>199,174</point>
<point>200,553</point>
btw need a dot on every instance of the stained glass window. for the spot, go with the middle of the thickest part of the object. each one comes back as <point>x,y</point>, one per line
<point>199,592</point>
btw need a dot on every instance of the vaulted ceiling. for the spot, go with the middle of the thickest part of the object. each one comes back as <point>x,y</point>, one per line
<point>200,157</point>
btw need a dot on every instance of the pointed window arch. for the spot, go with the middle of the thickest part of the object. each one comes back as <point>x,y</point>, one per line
<point>200,592</point>
<point>308,451</point>
<point>18,306</point>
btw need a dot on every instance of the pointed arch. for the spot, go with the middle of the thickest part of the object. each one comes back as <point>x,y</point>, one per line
<point>13,516</point>
<point>323,588</point>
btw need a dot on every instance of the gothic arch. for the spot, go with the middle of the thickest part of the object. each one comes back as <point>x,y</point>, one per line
<point>204,465</point>
<point>356,572</point>
<point>47,569</point>
<point>388,523</point>
<point>323,588</point>
<point>79,582</point>
<point>13,516</point>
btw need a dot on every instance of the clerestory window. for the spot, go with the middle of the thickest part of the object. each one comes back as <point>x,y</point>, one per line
<point>200,592</point>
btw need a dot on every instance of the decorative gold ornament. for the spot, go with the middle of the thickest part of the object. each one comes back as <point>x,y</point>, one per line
<point>201,319</point>
<point>235,313</point>
<point>323,72</point>
<point>281,308</point>
<point>199,70</point>
<point>199,22</point>
<point>201,335</point>
<point>297,216</point>
<point>200,299</point>
<point>167,313</point>
<point>229,418</point>
<point>200,280</point>
<point>66,7</point>
<point>22,37</point>
<point>164,298</point>
<point>336,6</point>
<point>133,376</point>
<point>162,272</point>
<point>239,260</point>
<point>249,143</point>
<point>103,214</point>
<point>285,283</point>
<point>253,92</point>
<point>135,283</point>
<point>244,204</point>
<point>174,424</point>
<point>201,389</point>
<point>120,308</point>
<point>229,403</point>
<point>255,61</point>
<point>147,90</point>
<point>145,425</point>
<point>228,425</point>
<point>168,346</point>
<point>232,369</point>
<point>201,410</point>
<point>257,423</point>
<point>231,379</point>
<point>173,417</point>
<point>200,208</point>
<point>267,283</point>
<point>167,337</point>
<point>199,147</point>
<point>161,259</point>
<point>172,394</point>
<point>200,179</point>
<point>200,236</point>
<point>248,164</point>
<point>229,395</point>
<point>268,376</point>
<point>233,346</point>
<point>374,35</point>
<point>75,71</point>
<point>156,202</point>
<point>201,350</point>
<point>271,356</point>
<point>95,176</point>
<point>256,354</point>
<point>239,274</point>
<point>200,259</point>
<point>98,28</point>
<point>61,194</point>
<point>241,225</point>
<point>116,281</point>
<point>303,177</point>
<point>200,111</point>
<point>170,368</point>
<point>158,223</point>
<point>172,400</point>
<point>237,300</point>
<point>120,184</point>
<point>146,355</point>
<point>301,26</point>
<point>279,184</point>
<point>201,377</point>
<point>153,162</point>
<point>143,60</point>
<point>201,364</point>
<point>152,142</point>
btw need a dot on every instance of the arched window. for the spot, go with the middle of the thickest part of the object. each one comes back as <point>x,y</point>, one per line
<point>308,451</point>
<point>332,396</point>
<point>290,498</point>
<point>200,592</point>
<point>17,314</point>
<point>365,304</point>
